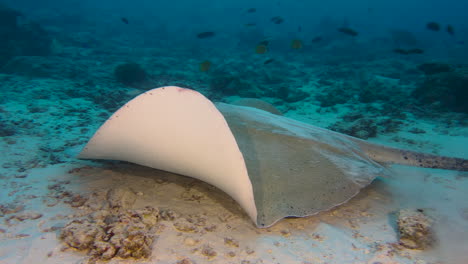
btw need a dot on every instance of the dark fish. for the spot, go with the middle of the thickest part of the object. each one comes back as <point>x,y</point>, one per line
<point>296,44</point>
<point>205,66</point>
<point>348,31</point>
<point>408,51</point>
<point>264,42</point>
<point>434,26</point>
<point>250,24</point>
<point>268,61</point>
<point>277,20</point>
<point>125,20</point>
<point>204,35</point>
<point>415,51</point>
<point>317,39</point>
<point>450,30</point>
<point>252,10</point>
<point>401,51</point>
<point>299,29</point>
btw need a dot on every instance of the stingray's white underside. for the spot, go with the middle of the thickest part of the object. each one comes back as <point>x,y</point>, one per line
<point>180,131</point>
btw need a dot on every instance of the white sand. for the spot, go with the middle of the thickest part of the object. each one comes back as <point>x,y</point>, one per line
<point>358,232</point>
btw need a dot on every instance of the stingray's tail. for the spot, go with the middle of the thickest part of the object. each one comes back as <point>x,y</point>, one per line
<point>383,154</point>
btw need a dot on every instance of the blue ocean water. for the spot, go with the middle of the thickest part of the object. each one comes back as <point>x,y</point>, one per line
<point>391,72</point>
<point>247,53</point>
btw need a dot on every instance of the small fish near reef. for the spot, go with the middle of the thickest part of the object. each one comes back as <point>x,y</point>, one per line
<point>250,25</point>
<point>415,51</point>
<point>296,44</point>
<point>262,46</point>
<point>400,51</point>
<point>450,30</point>
<point>408,51</point>
<point>434,26</point>
<point>124,20</point>
<point>265,42</point>
<point>268,61</point>
<point>277,20</point>
<point>251,10</point>
<point>205,66</point>
<point>348,31</point>
<point>207,34</point>
<point>317,39</point>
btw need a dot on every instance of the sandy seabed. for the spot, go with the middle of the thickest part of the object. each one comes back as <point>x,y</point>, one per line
<point>200,224</point>
<point>206,226</point>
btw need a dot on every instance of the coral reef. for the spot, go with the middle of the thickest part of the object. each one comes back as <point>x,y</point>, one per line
<point>363,128</point>
<point>228,84</point>
<point>444,91</point>
<point>403,38</point>
<point>368,121</point>
<point>431,68</point>
<point>46,67</point>
<point>8,17</point>
<point>27,39</point>
<point>364,89</point>
<point>334,95</point>
<point>111,101</point>
<point>286,94</point>
<point>6,129</point>
<point>113,230</point>
<point>105,234</point>
<point>415,229</point>
<point>130,74</point>
<point>8,27</point>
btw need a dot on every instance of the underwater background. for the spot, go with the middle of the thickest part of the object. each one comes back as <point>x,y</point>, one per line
<point>391,72</point>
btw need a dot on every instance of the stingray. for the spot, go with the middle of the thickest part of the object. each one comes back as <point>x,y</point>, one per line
<point>273,166</point>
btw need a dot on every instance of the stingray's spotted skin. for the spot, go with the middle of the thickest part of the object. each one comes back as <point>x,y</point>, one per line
<point>435,162</point>
<point>388,155</point>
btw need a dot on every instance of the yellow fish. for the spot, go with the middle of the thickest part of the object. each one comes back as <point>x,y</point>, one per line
<point>261,49</point>
<point>296,44</point>
<point>205,66</point>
